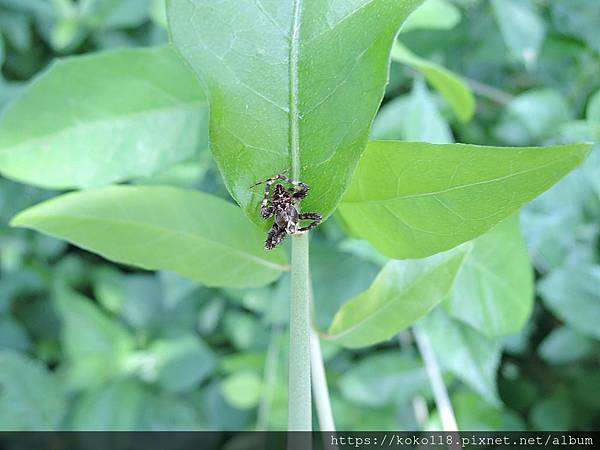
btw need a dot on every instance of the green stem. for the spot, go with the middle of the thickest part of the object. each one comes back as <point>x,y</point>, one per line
<point>440,393</point>
<point>299,399</point>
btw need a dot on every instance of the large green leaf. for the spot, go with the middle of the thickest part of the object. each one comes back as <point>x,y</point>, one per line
<point>292,84</point>
<point>30,397</point>
<point>494,289</point>
<point>161,228</point>
<point>414,199</point>
<point>572,294</point>
<point>456,91</point>
<point>402,293</point>
<point>463,351</point>
<point>100,118</point>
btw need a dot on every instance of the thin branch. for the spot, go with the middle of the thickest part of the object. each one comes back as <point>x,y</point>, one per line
<point>440,393</point>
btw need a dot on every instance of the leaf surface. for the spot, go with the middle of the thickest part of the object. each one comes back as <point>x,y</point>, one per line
<point>293,85</point>
<point>101,118</point>
<point>412,200</point>
<point>161,228</point>
<point>402,293</point>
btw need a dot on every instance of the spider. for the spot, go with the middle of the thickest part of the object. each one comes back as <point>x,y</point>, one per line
<point>283,204</point>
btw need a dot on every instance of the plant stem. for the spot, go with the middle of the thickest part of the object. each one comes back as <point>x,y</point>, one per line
<point>299,399</point>
<point>320,390</point>
<point>440,393</point>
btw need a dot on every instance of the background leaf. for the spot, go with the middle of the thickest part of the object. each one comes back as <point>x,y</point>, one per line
<point>30,397</point>
<point>494,289</point>
<point>413,199</point>
<point>467,354</point>
<point>402,293</point>
<point>328,78</point>
<point>456,91</point>
<point>572,294</point>
<point>122,114</point>
<point>160,228</point>
<point>522,28</point>
<point>433,15</point>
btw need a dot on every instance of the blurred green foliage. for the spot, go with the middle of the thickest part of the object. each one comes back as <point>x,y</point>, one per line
<point>89,345</point>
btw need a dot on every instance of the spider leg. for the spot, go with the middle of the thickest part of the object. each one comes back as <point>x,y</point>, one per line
<point>316,220</point>
<point>266,210</point>
<point>300,188</point>
<point>275,237</point>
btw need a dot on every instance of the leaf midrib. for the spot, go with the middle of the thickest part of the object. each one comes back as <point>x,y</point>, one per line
<point>189,235</point>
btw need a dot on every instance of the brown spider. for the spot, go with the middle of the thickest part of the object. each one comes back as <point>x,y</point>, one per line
<point>283,204</point>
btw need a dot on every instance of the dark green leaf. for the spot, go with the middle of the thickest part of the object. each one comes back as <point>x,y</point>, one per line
<point>292,85</point>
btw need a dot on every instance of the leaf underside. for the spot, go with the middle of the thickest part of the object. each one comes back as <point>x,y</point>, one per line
<point>292,84</point>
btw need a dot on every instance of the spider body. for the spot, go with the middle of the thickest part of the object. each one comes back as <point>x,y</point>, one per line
<point>282,204</point>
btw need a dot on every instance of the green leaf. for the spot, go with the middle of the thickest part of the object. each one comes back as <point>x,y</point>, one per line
<point>472,413</point>
<point>336,278</point>
<point>494,289</point>
<point>95,346</point>
<point>572,294</point>
<point>565,345</point>
<point>553,412</point>
<point>467,354</point>
<point>100,118</point>
<point>242,390</point>
<point>522,28</point>
<point>164,412</point>
<point>117,407</point>
<point>593,108</point>
<point>12,334</point>
<point>433,15</point>
<point>176,364</point>
<point>578,18</point>
<point>412,200</point>
<point>389,122</point>
<point>2,54</point>
<point>532,116</point>
<point>30,397</point>
<point>402,293</point>
<point>422,120</point>
<point>384,378</point>
<point>455,91</point>
<point>292,85</point>
<point>160,228</point>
